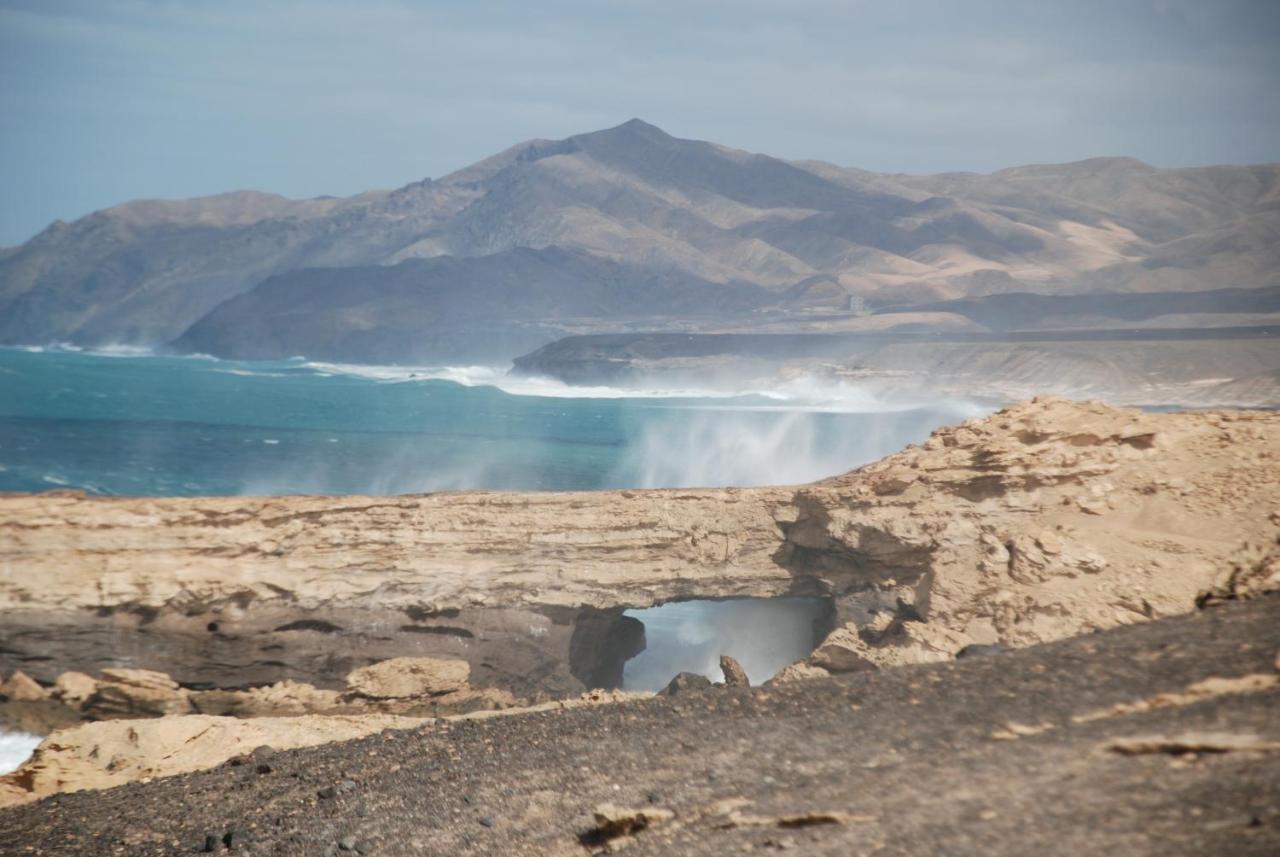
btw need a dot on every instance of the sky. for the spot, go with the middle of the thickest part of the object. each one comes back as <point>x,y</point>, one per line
<point>104,101</point>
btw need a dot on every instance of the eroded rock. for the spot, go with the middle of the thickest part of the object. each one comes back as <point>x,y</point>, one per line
<point>734,674</point>
<point>401,678</point>
<point>135,693</point>
<point>21,687</point>
<point>74,688</point>
<point>979,535</point>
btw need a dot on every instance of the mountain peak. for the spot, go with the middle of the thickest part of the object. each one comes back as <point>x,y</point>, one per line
<point>632,129</point>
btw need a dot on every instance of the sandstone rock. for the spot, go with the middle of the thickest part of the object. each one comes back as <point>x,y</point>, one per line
<point>399,678</point>
<point>74,688</point>
<point>843,651</point>
<point>282,699</point>
<point>135,693</point>
<point>938,520</point>
<point>734,674</point>
<point>799,671</point>
<point>291,697</point>
<point>102,755</point>
<point>21,687</point>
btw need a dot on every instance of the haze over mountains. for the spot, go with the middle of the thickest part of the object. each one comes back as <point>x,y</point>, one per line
<point>630,228</point>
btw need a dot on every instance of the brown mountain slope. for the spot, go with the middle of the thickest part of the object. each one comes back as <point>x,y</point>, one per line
<point>144,272</point>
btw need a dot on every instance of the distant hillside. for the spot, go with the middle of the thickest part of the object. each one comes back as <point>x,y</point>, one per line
<point>740,233</point>
<point>446,308</point>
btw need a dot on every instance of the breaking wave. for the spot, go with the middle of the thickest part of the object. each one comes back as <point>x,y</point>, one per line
<point>807,392</point>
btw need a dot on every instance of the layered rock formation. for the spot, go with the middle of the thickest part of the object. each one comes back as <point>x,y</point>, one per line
<point>1044,520</point>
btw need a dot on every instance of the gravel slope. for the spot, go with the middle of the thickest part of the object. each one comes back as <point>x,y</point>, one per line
<point>934,758</point>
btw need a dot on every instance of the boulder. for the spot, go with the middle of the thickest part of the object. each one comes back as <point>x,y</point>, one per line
<point>402,678</point>
<point>734,674</point>
<point>844,651</point>
<point>136,693</point>
<point>74,688</point>
<point>22,688</point>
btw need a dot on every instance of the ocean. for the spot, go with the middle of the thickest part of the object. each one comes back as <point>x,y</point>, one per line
<point>130,423</point>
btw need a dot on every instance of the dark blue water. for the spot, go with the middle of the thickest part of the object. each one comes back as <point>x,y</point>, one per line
<point>146,425</point>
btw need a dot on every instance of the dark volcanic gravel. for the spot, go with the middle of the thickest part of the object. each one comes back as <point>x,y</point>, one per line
<point>897,762</point>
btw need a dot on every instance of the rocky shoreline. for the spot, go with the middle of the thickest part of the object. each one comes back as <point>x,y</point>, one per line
<point>1045,521</point>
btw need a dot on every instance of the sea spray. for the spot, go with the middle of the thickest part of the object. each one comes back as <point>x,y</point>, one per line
<point>181,427</point>
<point>720,447</point>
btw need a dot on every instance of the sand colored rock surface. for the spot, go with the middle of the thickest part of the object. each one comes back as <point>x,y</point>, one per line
<point>21,687</point>
<point>1046,519</point>
<point>399,678</point>
<point>414,687</point>
<point>106,754</point>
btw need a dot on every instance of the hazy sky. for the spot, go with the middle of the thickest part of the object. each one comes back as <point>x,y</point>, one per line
<point>109,100</point>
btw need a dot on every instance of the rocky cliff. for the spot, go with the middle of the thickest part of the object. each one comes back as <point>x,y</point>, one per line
<point>1044,520</point>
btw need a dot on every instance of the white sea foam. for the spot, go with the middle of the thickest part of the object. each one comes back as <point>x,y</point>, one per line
<point>250,373</point>
<point>801,393</point>
<point>115,350</point>
<point>16,748</point>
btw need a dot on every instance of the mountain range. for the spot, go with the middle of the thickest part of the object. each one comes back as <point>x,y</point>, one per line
<point>628,228</point>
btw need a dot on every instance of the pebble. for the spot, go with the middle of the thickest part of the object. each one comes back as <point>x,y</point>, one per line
<point>487,820</point>
<point>347,843</point>
<point>341,788</point>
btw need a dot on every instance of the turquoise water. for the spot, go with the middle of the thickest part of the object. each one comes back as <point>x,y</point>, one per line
<point>147,425</point>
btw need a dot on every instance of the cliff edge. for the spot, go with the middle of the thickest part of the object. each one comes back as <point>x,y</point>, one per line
<point>1044,520</point>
